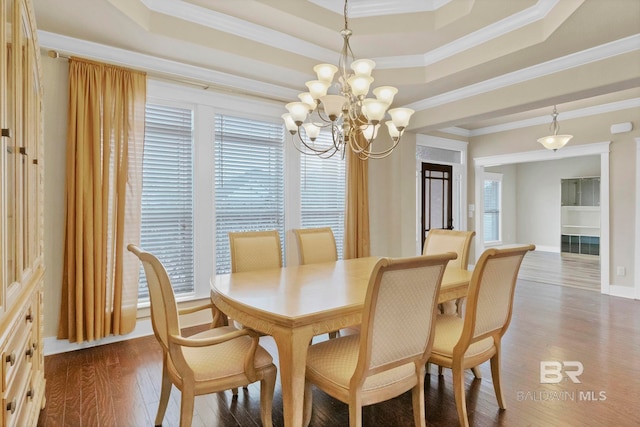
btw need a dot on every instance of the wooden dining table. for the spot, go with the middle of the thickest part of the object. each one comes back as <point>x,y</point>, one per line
<point>295,303</point>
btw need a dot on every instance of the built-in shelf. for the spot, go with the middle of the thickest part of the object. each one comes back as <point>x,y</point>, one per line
<point>580,215</point>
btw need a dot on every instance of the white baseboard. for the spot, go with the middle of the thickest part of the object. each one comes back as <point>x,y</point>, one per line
<point>555,249</point>
<point>622,291</point>
<point>52,345</point>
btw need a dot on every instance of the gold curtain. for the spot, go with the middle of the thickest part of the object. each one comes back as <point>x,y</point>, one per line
<point>356,224</point>
<point>103,195</point>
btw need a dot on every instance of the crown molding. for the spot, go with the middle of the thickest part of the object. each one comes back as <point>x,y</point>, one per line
<point>367,8</point>
<point>541,120</point>
<point>260,34</point>
<point>498,29</point>
<point>598,53</point>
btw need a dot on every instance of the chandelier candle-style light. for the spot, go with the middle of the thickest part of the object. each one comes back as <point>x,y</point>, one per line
<point>554,141</point>
<point>353,118</point>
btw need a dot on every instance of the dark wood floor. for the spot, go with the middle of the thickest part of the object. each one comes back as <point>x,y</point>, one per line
<point>117,384</point>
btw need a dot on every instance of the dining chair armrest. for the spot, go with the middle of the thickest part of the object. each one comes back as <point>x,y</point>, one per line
<point>217,317</point>
<point>204,342</point>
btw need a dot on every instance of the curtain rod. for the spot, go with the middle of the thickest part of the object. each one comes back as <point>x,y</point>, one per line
<point>172,78</point>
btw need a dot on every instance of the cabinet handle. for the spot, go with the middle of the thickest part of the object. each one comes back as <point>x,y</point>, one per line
<point>11,359</point>
<point>30,393</point>
<point>29,352</point>
<point>23,151</point>
<point>11,406</point>
<point>29,317</point>
<point>6,132</point>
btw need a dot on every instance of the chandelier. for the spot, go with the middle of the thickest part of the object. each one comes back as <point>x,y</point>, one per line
<point>554,141</point>
<point>344,109</point>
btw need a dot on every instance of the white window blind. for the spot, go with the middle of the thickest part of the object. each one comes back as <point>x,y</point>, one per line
<point>249,180</point>
<point>491,218</point>
<point>167,194</point>
<point>322,191</point>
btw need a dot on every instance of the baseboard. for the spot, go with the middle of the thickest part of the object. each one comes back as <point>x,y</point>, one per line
<point>622,291</point>
<point>52,345</point>
<point>554,249</point>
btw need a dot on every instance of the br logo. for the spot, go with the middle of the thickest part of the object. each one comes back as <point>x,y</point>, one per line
<point>552,372</point>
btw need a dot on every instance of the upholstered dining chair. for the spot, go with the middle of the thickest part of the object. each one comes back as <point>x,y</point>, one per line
<point>462,343</point>
<point>316,245</point>
<point>386,358</point>
<point>215,360</point>
<point>255,250</point>
<point>440,241</point>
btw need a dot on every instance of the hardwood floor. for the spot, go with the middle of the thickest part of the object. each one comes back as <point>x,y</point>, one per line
<point>566,269</point>
<point>117,384</point>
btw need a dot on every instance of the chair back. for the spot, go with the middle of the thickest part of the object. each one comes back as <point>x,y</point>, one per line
<point>400,288</point>
<point>440,241</point>
<point>255,250</point>
<point>316,245</point>
<point>490,295</point>
<point>164,311</point>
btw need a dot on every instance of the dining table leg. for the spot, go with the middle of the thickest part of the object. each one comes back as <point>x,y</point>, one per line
<point>292,355</point>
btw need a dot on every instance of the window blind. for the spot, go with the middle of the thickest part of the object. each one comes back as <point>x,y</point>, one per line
<point>322,191</point>
<point>249,180</point>
<point>167,194</point>
<point>491,211</point>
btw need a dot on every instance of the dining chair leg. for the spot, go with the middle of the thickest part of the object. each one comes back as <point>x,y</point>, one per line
<point>267,386</point>
<point>458,391</point>
<point>355,412</point>
<point>476,372</point>
<point>165,392</point>
<point>186,405</point>
<point>495,377</point>
<point>417,395</point>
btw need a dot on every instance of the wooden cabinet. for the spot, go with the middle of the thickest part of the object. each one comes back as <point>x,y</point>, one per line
<point>21,218</point>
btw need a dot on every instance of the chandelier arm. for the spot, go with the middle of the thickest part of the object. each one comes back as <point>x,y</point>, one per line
<point>309,147</point>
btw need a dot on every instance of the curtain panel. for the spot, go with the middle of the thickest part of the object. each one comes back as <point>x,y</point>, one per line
<point>356,221</point>
<point>103,195</point>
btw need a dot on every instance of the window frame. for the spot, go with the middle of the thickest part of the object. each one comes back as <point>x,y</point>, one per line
<point>493,177</point>
<point>206,104</point>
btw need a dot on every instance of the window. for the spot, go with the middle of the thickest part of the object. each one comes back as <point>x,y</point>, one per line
<point>249,180</point>
<point>492,206</point>
<point>167,194</point>
<point>322,191</point>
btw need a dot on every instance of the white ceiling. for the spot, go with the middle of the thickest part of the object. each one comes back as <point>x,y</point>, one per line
<point>463,64</point>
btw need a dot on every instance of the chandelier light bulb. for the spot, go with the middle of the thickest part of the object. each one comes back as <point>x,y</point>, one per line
<point>311,130</point>
<point>325,72</point>
<point>400,117</point>
<point>289,123</point>
<point>317,88</point>
<point>360,84</point>
<point>333,105</point>
<point>374,110</point>
<point>385,93</point>
<point>363,67</point>
<point>308,99</point>
<point>298,111</point>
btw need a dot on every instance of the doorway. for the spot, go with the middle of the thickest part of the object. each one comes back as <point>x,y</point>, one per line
<point>437,194</point>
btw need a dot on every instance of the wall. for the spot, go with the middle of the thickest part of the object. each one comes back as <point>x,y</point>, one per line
<point>538,202</point>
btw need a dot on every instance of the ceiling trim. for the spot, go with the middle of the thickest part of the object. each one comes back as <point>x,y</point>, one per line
<point>598,53</point>
<point>541,120</point>
<point>267,36</point>
<point>366,8</point>
<point>498,29</point>
<point>238,27</point>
